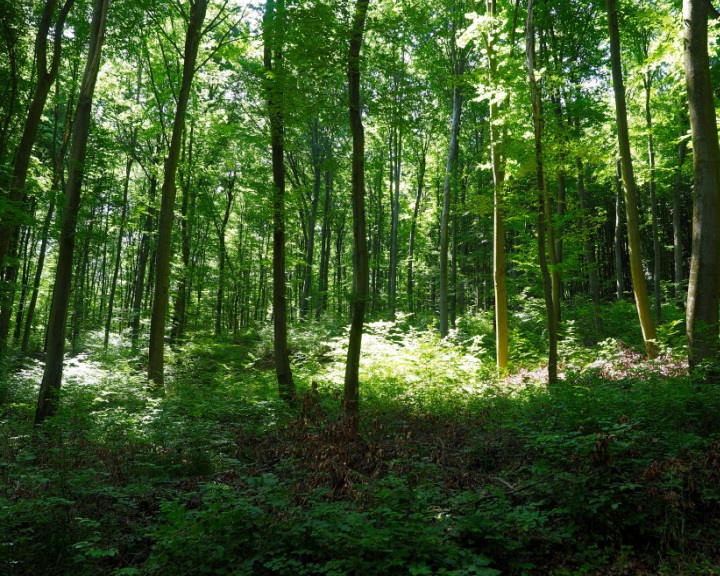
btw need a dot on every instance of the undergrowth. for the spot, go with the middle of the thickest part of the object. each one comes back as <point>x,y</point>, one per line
<point>616,470</point>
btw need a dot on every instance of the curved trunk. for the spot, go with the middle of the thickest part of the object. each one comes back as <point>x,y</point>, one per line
<point>633,222</point>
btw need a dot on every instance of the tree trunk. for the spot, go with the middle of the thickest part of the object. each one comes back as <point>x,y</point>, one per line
<point>618,235</point>
<point>678,223</point>
<point>396,164</point>
<point>317,159</point>
<point>704,280</point>
<point>413,224</point>
<point>143,255</point>
<point>52,375</point>
<point>633,222</point>
<point>325,243</point>
<point>452,156</point>
<point>118,251</point>
<point>545,241</point>
<point>657,254</point>
<point>498,172</point>
<point>588,246</point>
<point>360,253</point>
<point>156,357</point>
<point>10,218</point>
<point>273,40</point>
<point>229,197</point>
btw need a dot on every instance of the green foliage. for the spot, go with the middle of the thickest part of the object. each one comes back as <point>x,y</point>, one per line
<point>456,472</point>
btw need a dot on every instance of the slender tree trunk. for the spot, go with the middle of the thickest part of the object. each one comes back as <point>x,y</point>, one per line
<point>273,39</point>
<point>704,280</point>
<point>229,197</point>
<point>618,237</point>
<point>187,214</point>
<point>118,251</point>
<point>10,218</point>
<point>38,277</point>
<point>545,242</point>
<point>360,253</point>
<point>325,243</point>
<point>396,162</point>
<point>588,246</point>
<point>657,254</point>
<point>413,225</point>
<point>678,222</point>
<point>156,357</point>
<point>52,375</point>
<point>633,222</point>
<point>498,172</point>
<point>453,150</point>
<point>316,154</point>
<point>143,255</point>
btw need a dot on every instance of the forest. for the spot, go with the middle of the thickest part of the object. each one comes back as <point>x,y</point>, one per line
<point>368,287</point>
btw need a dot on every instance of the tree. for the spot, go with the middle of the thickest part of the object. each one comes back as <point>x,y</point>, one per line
<point>457,63</point>
<point>156,359</point>
<point>13,212</point>
<point>55,346</point>
<point>704,281</point>
<point>361,275</point>
<point>544,215</point>
<point>273,30</point>
<point>633,224</point>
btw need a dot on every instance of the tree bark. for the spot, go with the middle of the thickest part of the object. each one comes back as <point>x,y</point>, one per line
<point>52,375</point>
<point>545,241</point>
<point>497,159</point>
<point>654,209</point>
<point>45,78</point>
<point>413,223</point>
<point>360,252</point>
<point>452,156</point>
<point>317,159</point>
<point>396,164</point>
<point>273,40</point>
<point>156,357</point>
<point>618,234</point>
<point>704,280</point>
<point>678,223</point>
<point>118,251</point>
<point>633,223</point>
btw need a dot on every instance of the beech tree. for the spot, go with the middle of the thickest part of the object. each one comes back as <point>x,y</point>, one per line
<point>273,36</point>
<point>631,193</point>
<point>360,252</point>
<point>704,281</point>
<point>55,347</point>
<point>156,359</point>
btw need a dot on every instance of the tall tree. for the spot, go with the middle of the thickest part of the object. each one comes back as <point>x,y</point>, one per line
<point>361,275</point>
<point>546,243</point>
<point>273,39</point>
<point>156,358</point>
<point>13,212</point>
<point>457,62</point>
<point>55,346</point>
<point>704,281</point>
<point>633,222</point>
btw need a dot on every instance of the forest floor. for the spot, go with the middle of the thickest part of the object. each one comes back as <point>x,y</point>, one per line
<point>615,470</point>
